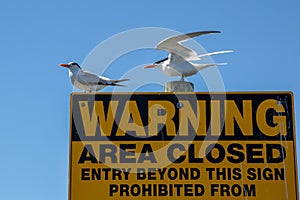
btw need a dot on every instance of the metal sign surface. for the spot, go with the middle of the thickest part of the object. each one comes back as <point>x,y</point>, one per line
<point>182,146</point>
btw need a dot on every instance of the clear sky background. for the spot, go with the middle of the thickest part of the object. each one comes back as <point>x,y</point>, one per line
<point>37,35</point>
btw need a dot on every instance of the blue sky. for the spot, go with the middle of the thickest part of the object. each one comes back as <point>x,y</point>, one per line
<point>36,36</point>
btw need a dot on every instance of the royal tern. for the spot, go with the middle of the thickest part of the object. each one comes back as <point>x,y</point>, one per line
<point>178,63</point>
<point>88,81</point>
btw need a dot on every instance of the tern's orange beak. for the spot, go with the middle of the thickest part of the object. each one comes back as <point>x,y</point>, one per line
<point>149,66</point>
<point>64,65</point>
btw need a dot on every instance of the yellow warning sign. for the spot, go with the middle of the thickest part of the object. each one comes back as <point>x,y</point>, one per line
<point>182,146</point>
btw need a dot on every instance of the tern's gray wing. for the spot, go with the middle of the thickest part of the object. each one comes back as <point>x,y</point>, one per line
<point>172,44</point>
<point>174,58</point>
<point>180,65</point>
<point>187,68</point>
<point>88,78</point>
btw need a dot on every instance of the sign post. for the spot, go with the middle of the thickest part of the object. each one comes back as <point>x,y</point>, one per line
<point>182,146</point>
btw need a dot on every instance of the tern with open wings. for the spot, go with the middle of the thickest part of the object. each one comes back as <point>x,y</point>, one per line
<point>179,62</point>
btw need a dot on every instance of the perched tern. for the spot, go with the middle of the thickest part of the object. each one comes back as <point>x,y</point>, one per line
<point>178,63</point>
<point>88,81</point>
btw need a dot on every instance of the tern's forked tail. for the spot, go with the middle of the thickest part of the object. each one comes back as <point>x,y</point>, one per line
<point>121,80</point>
<point>114,82</point>
<point>212,53</point>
